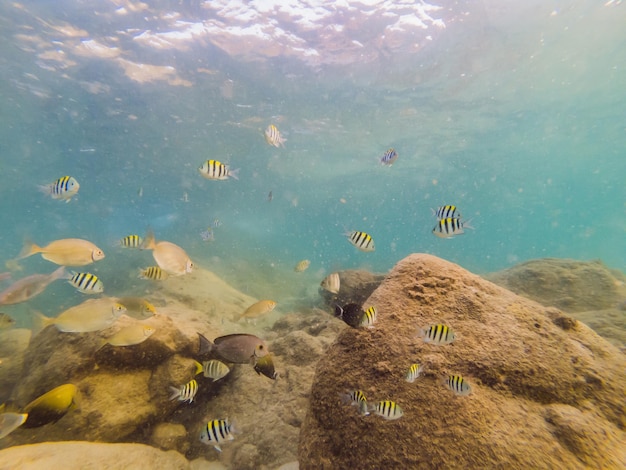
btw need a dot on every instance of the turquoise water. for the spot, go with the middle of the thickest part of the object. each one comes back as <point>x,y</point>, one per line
<point>514,115</point>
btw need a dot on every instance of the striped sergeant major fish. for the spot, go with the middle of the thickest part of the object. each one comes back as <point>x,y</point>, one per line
<point>215,170</point>
<point>387,409</point>
<point>86,283</point>
<point>356,398</point>
<point>437,334</point>
<point>389,157</point>
<point>153,273</point>
<point>217,431</point>
<point>449,227</point>
<point>361,240</point>
<point>64,189</point>
<point>186,392</point>
<point>369,318</point>
<point>131,241</point>
<point>447,212</point>
<point>273,137</point>
<point>458,385</point>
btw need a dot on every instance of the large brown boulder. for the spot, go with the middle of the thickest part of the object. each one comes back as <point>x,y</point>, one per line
<point>547,391</point>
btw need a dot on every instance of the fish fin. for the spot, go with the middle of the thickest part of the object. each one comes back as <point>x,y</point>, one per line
<point>60,273</point>
<point>466,224</point>
<point>199,367</point>
<point>234,428</point>
<point>217,448</point>
<point>206,346</point>
<point>234,173</point>
<point>45,188</point>
<point>175,393</point>
<point>101,343</point>
<point>40,322</point>
<point>421,333</point>
<point>149,242</point>
<point>29,249</point>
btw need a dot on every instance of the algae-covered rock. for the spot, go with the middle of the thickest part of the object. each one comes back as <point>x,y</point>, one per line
<point>540,380</point>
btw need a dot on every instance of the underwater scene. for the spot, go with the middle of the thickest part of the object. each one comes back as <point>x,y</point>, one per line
<point>318,235</point>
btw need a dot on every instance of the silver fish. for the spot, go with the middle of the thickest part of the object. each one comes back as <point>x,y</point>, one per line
<point>28,287</point>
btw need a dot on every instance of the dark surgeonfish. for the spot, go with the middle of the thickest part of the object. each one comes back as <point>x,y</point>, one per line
<point>265,365</point>
<point>352,314</point>
<point>239,348</point>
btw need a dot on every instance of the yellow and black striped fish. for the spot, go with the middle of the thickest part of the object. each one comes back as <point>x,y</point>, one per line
<point>361,240</point>
<point>437,334</point>
<point>449,227</point>
<point>387,409</point>
<point>357,398</point>
<point>458,385</point>
<point>64,188</point>
<point>389,157</point>
<point>447,212</point>
<point>213,369</point>
<point>131,241</point>
<point>369,317</point>
<point>215,432</point>
<point>214,170</point>
<point>273,137</point>
<point>185,393</point>
<point>154,273</point>
<point>413,373</point>
<point>86,283</point>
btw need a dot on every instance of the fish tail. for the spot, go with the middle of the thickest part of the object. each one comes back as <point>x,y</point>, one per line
<point>199,368</point>
<point>234,173</point>
<point>41,321</point>
<point>149,242</point>
<point>206,346</point>
<point>29,249</point>
<point>466,224</point>
<point>60,273</point>
<point>175,393</point>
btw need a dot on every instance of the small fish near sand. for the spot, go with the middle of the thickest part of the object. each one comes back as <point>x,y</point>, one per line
<point>448,228</point>
<point>216,170</point>
<point>239,348</point>
<point>413,373</point>
<point>331,283</point>
<point>65,252</point>
<point>387,409</point>
<point>458,385</point>
<point>129,335</point>
<point>257,309</point>
<point>265,366</point>
<point>351,314</point>
<point>169,256</point>
<point>186,392</point>
<point>273,136</point>
<point>137,307</point>
<point>361,240</point>
<point>212,369</point>
<point>302,266</point>
<point>153,273</point>
<point>356,398</point>
<point>28,287</point>
<point>215,432</point>
<point>90,315</point>
<point>369,318</point>
<point>9,422</point>
<point>63,189</point>
<point>437,334</point>
<point>51,406</point>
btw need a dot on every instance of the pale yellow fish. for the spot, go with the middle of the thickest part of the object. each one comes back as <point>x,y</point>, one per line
<point>65,252</point>
<point>137,307</point>
<point>331,283</point>
<point>52,405</point>
<point>302,265</point>
<point>30,286</point>
<point>257,309</point>
<point>130,335</point>
<point>170,257</point>
<point>91,315</point>
<point>273,137</point>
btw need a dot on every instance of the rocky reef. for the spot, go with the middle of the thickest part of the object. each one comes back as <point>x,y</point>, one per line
<point>547,391</point>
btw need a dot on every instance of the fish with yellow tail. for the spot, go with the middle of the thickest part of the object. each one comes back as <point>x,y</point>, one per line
<point>216,170</point>
<point>65,252</point>
<point>90,315</point>
<point>170,257</point>
<point>63,189</point>
<point>51,406</point>
<point>273,136</point>
<point>212,369</point>
<point>185,392</point>
<point>240,348</point>
<point>257,309</point>
<point>30,286</point>
<point>265,365</point>
<point>137,307</point>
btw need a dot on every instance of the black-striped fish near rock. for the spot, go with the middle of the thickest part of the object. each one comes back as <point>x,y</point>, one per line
<point>86,283</point>
<point>437,334</point>
<point>331,283</point>
<point>387,409</point>
<point>458,385</point>
<point>185,392</point>
<point>361,240</point>
<point>215,432</point>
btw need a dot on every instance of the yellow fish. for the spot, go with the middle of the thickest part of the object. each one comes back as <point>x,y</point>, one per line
<point>130,335</point>
<point>137,307</point>
<point>302,266</point>
<point>91,315</point>
<point>153,273</point>
<point>51,406</point>
<point>170,257</point>
<point>273,137</point>
<point>65,252</point>
<point>257,309</point>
